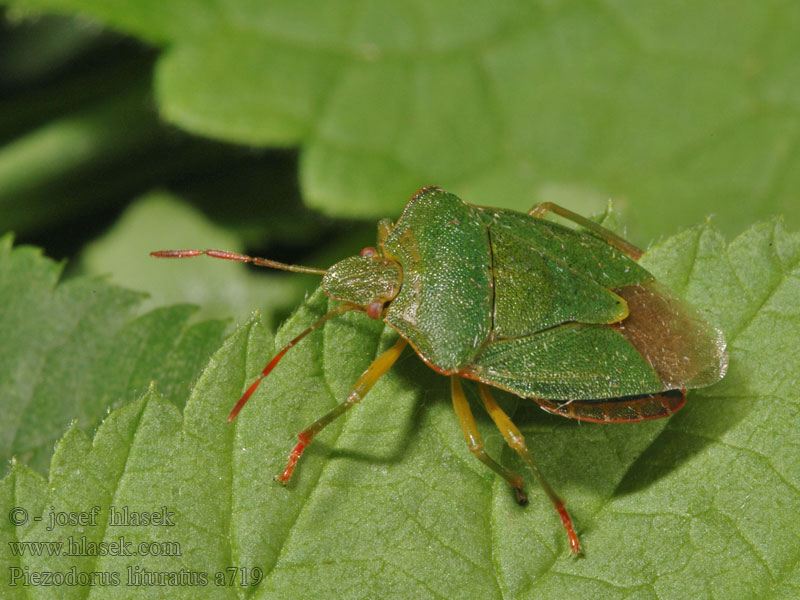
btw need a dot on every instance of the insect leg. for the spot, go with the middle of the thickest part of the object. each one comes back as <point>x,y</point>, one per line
<point>362,385</point>
<point>277,358</point>
<point>475,443</point>
<point>515,439</point>
<point>540,210</point>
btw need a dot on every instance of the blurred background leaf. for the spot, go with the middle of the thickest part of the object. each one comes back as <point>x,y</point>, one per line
<point>676,111</point>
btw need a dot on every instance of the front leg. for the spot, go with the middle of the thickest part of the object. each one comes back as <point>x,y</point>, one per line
<point>475,443</point>
<point>362,385</point>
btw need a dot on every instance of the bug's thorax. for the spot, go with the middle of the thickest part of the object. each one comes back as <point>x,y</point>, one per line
<point>370,281</point>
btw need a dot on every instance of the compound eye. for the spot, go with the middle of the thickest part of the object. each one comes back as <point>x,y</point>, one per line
<point>374,310</point>
<point>368,252</point>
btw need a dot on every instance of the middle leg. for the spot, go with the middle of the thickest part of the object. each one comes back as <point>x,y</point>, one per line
<point>475,443</point>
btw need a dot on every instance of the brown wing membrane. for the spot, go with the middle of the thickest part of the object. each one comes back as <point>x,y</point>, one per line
<point>681,346</point>
<point>629,409</point>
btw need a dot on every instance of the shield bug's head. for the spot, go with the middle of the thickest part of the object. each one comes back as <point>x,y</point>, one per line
<point>368,280</point>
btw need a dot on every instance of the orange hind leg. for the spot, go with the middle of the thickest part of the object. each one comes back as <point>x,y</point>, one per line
<point>540,210</point>
<point>475,443</point>
<point>515,439</point>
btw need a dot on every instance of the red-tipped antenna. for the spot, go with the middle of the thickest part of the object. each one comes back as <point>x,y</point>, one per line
<point>276,359</point>
<point>225,255</point>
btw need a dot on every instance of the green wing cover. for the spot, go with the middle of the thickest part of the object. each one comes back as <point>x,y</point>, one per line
<point>578,250</point>
<point>535,291</point>
<point>553,300</point>
<point>568,362</point>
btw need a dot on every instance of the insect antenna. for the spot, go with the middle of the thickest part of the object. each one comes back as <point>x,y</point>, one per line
<point>225,255</point>
<point>276,359</point>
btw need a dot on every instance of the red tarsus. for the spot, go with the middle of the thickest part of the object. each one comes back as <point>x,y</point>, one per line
<point>294,456</point>
<point>574,545</point>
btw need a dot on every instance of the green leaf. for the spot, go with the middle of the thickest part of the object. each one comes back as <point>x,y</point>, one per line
<point>388,502</point>
<point>686,109</point>
<point>73,349</point>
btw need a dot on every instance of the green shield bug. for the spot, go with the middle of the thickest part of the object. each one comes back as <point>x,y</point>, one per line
<point>565,317</point>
